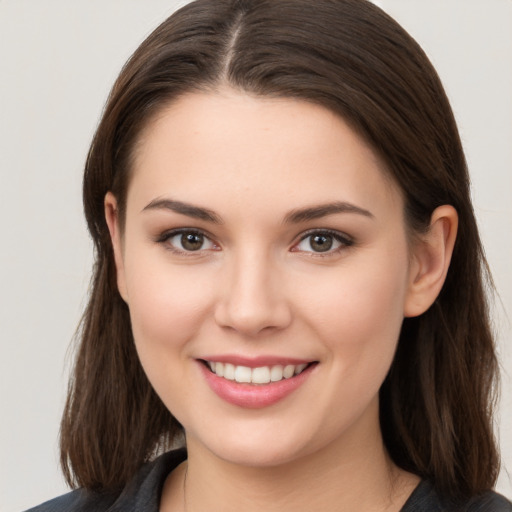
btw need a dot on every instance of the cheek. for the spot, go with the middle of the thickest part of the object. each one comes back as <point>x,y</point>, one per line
<point>167,303</point>
<point>167,308</point>
<point>358,311</point>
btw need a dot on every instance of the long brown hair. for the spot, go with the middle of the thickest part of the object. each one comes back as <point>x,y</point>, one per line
<point>349,56</point>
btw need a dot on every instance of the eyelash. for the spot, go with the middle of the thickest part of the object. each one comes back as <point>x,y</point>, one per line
<point>344,240</point>
<point>168,235</point>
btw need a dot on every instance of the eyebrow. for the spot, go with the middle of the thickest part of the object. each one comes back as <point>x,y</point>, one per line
<point>322,210</point>
<point>294,217</point>
<point>189,210</point>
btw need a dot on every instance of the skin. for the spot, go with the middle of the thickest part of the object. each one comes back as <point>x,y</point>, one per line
<point>257,287</point>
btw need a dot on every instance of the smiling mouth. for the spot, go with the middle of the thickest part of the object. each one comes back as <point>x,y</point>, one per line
<point>259,375</point>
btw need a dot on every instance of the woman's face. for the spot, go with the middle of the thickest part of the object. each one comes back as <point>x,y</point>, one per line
<point>263,239</point>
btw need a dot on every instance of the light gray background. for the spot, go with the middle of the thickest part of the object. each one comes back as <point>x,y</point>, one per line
<point>58,59</point>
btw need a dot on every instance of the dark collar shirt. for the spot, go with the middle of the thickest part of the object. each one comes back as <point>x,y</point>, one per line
<point>143,493</point>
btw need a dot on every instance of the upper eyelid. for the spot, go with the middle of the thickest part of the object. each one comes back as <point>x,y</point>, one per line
<point>339,235</point>
<point>346,241</point>
<point>333,232</point>
<point>169,233</point>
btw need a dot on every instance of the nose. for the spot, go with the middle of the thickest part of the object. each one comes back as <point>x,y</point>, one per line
<point>252,299</point>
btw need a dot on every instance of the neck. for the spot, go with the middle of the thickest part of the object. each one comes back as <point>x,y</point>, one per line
<point>353,473</point>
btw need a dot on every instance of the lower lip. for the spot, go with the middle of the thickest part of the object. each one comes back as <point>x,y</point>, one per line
<point>254,396</point>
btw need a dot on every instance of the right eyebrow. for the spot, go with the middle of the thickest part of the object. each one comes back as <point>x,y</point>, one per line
<point>182,208</point>
<point>322,210</point>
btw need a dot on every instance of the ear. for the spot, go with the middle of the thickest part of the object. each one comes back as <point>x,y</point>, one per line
<point>112,218</point>
<point>430,261</point>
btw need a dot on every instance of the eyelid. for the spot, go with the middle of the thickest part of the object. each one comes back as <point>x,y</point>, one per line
<point>344,239</point>
<point>165,236</point>
<point>169,233</point>
<point>341,237</point>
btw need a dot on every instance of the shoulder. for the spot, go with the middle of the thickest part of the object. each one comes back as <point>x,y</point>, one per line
<point>141,494</point>
<point>425,499</point>
<point>76,501</point>
<point>490,502</point>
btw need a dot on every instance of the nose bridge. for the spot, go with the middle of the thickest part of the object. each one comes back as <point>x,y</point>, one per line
<point>252,297</point>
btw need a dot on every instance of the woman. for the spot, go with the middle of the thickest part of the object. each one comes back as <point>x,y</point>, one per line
<point>289,274</point>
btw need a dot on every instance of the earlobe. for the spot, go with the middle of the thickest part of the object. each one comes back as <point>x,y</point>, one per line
<point>431,260</point>
<point>112,219</point>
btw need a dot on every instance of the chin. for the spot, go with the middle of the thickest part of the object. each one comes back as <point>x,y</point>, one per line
<point>258,447</point>
<point>256,456</point>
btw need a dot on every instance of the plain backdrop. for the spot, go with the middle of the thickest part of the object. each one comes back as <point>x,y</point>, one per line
<point>58,59</point>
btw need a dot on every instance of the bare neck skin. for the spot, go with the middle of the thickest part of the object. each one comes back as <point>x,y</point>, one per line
<point>353,473</point>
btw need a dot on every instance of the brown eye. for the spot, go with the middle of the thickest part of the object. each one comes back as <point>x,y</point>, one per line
<point>183,241</point>
<point>192,241</point>
<point>321,243</point>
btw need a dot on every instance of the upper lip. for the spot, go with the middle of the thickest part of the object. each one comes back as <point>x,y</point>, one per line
<point>255,362</point>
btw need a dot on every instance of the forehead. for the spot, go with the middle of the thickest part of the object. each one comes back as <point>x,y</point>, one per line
<point>255,150</point>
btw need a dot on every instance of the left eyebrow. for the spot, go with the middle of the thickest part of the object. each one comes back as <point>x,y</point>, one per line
<point>187,209</point>
<point>322,210</point>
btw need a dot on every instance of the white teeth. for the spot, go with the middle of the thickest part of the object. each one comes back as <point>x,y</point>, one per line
<point>242,374</point>
<point>219,369</point>
<point>229,371</point>
<point>299,368</point>
<point>276,373</point>
<point>289,371</point>
<point>260,375</point>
